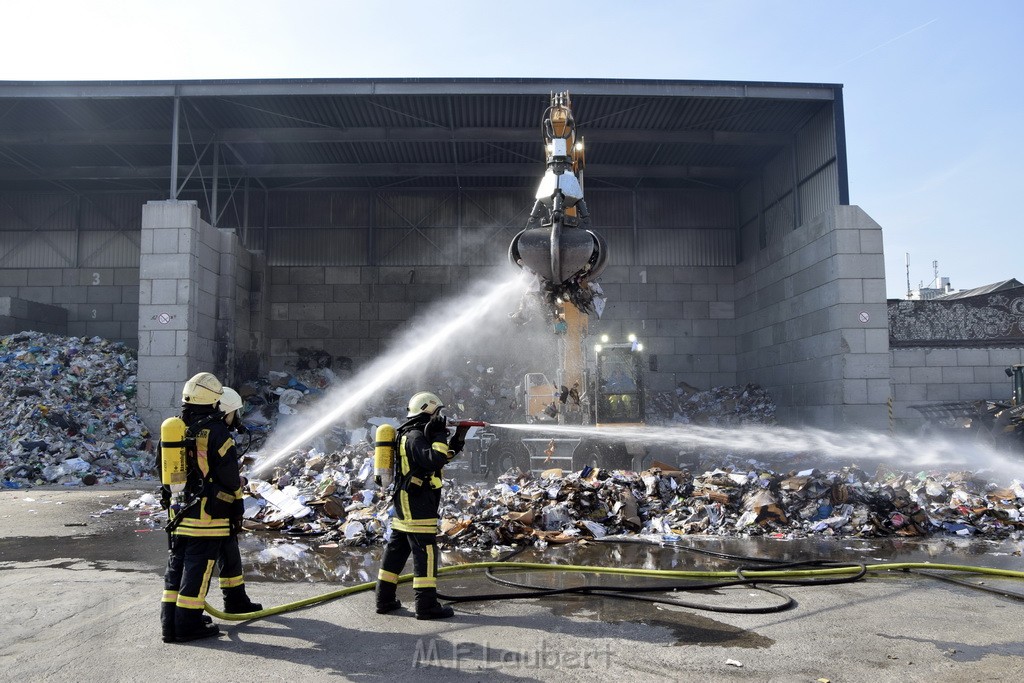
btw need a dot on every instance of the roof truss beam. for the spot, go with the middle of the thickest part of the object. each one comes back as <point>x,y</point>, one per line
<point>318,135</point>
<point>379,170</point>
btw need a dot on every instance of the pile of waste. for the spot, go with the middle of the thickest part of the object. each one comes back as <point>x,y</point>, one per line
<point>736,405</point>
<point>332,498</point>
<point>69,412</point>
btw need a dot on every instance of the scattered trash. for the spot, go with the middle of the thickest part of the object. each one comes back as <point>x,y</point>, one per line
<point>70,417</point>
<point>331,496</point>
<point>69,413</point>
<point>733,662</point>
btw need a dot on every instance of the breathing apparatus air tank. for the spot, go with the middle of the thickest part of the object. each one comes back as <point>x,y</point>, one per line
<point>384,454</point>
<point>173,459</point>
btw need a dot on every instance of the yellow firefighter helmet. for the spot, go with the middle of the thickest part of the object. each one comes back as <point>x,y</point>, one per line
<point>202,389</point>
<point>424,402</point>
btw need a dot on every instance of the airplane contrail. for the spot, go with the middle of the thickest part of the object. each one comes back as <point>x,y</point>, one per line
<point>888,42</point>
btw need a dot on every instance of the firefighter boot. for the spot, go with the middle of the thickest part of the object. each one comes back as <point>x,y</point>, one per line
<point>237,602</point>
<point>189,624</point>
<point>167,621</point>
<point>386,598</point>
<point>427,606</point>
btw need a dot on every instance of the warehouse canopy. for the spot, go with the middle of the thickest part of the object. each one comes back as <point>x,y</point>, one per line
<point>392,133</point>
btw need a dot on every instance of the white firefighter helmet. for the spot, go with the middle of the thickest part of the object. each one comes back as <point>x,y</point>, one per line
<point>230,401</point>
<point>203,389</point>
<point>424,402</point>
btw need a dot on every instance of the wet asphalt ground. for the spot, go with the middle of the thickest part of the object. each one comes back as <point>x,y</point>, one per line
<point>81,589</point>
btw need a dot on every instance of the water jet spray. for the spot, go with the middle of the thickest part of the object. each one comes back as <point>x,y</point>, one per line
<point>418,344</point>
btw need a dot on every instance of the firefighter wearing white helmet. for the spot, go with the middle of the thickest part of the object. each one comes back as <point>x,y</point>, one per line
<point>229,562</point>
<point>200,515</point>
<point>423,449</point>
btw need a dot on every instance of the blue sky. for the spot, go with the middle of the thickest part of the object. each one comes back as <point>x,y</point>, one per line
<point>933,89</point>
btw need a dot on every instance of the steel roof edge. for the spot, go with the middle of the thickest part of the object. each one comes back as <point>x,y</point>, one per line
<point>420,86</point>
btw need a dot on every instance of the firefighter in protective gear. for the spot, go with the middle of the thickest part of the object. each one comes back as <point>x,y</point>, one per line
<point>200,520</point>
<point>229,563</point>
<point>423,451</point>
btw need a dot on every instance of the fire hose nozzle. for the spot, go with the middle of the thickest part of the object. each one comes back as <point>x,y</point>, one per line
<point>467,423</point>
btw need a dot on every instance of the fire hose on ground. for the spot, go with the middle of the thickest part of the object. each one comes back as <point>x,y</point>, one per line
<point>791,574</point>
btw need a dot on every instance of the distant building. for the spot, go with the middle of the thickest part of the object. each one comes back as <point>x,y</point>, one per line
<point>942,289</point>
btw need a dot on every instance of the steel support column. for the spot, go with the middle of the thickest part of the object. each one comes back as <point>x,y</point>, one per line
<point>174,145</point>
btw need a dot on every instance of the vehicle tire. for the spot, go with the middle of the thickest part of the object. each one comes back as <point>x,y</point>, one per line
<point>609,455</point>
<point>504,455</point>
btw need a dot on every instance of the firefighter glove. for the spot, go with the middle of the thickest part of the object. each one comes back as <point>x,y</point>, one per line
<point>457,442</point>
<point>436,430</point>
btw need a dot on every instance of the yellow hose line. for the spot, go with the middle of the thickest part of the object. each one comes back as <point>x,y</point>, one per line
<point>627,571</point>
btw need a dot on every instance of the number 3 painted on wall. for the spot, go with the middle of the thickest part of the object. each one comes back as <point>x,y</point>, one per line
<point>95,278</point>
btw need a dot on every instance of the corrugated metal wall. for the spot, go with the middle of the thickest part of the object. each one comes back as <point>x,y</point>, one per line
<point>52,230</point>
<point>796,185</point>
<point>388,228</point>
<point>38,249</point>
<point>421,228</point>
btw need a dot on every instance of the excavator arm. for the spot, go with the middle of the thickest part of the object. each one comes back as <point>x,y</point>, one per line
<point>560,250</point>
<point>557,245</point>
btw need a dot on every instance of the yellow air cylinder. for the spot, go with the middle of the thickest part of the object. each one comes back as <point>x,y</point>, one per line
<point>173,467</point>
<point>384,450</point>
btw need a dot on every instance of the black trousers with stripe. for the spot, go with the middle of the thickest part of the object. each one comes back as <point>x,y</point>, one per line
<point>422,547</point>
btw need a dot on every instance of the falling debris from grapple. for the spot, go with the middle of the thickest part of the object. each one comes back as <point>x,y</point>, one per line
<point>557,245</point>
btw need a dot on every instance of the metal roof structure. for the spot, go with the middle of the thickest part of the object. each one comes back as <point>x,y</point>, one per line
<point>992,288</point>
<point>402,133</point>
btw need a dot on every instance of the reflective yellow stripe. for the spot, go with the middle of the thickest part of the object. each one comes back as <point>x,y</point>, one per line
<point>419,582</point>
<point>415,481</point>
<point>403,499</point>
<point>404,525</point>
<point>405,458</point>
<point>225,447</point>
<point>208,523</point>
<point>430,561</point>
<point>191,603</point>
<point>440,447</point>
<point>231,582</point>
<point>170,596</point>
<point>226,497</point>
<point>203,533</point>
<point>390,577</point>
<point>206,579</point>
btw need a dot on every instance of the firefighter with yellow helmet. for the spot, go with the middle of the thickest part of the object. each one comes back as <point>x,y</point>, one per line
<point>423,448</point>
<point>199,445</point>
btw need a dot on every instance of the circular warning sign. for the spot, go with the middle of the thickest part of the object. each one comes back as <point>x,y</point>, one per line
<point>864,317</point>
<point>164,318</point>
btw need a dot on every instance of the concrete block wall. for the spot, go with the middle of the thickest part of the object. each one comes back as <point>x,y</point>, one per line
<point>19,315</point>
<point>934,375</point>
<point>189,273</point>
<point>811,322</point>
<point>353,311</point>
<point>99,301</point>
<point>684,316</point>
<point>251,346</point>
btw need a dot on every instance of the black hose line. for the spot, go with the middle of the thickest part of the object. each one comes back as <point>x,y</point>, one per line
<point>631,592</point>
